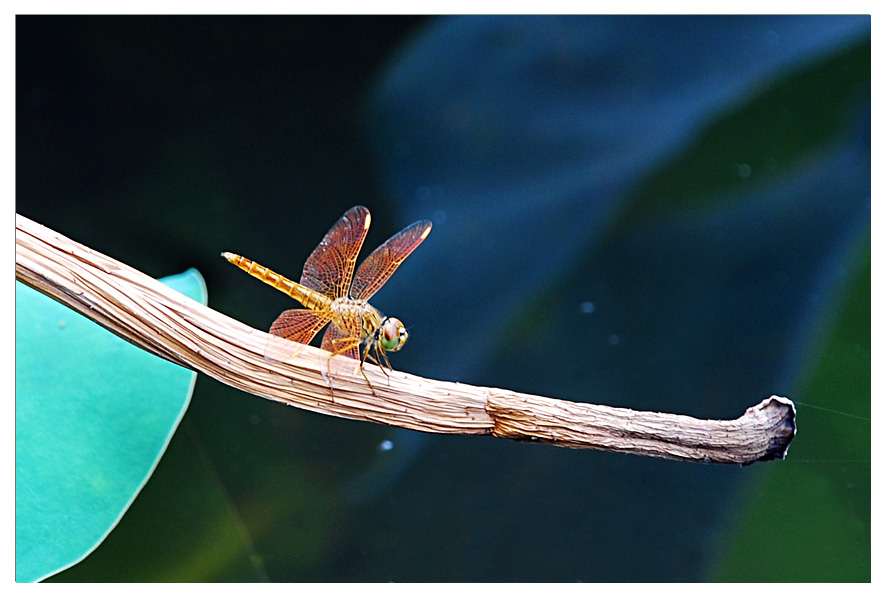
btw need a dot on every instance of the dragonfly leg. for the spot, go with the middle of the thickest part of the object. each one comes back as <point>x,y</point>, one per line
<point>378,361</point>
<point>363,360</point>
<point>385,356</point>
<point>350,345</point>
<point>343,346</point>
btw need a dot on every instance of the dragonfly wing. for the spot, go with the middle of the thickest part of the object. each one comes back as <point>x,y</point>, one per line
<point>296,327</point>
<point>300,325</point>
<point>330,268</point>
<point>337,341</point>
<point>385,260</point>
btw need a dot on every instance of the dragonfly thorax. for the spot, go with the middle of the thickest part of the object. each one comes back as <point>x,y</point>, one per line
<point>351,312</point>
<point>387,333</point>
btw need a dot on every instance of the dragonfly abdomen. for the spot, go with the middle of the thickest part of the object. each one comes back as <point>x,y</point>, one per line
<point>306,296</point>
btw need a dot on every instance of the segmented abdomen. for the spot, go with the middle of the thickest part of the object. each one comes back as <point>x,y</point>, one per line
<point>307,297</point>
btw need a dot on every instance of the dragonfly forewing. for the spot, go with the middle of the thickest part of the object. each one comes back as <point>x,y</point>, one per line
<point>330,268</point>
<point>384,261</point>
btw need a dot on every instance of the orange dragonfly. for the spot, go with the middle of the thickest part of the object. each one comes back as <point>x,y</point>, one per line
<point>333,294</point>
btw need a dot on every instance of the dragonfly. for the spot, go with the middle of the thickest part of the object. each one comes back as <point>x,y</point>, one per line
<point>333,295</point>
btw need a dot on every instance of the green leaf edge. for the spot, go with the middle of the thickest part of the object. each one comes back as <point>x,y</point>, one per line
<point>191,284</point>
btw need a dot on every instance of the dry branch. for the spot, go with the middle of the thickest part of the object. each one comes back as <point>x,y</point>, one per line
<point>150,315</point>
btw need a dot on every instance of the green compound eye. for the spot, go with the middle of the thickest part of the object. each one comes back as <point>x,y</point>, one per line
<point>392,335</point>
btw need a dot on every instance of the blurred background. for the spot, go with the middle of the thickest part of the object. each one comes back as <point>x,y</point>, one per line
<point>664,213</point>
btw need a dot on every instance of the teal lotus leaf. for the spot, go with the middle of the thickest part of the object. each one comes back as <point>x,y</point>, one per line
<point>93,415</point>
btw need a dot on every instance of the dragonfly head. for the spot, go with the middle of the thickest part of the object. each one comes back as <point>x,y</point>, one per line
<point>392,334</point>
